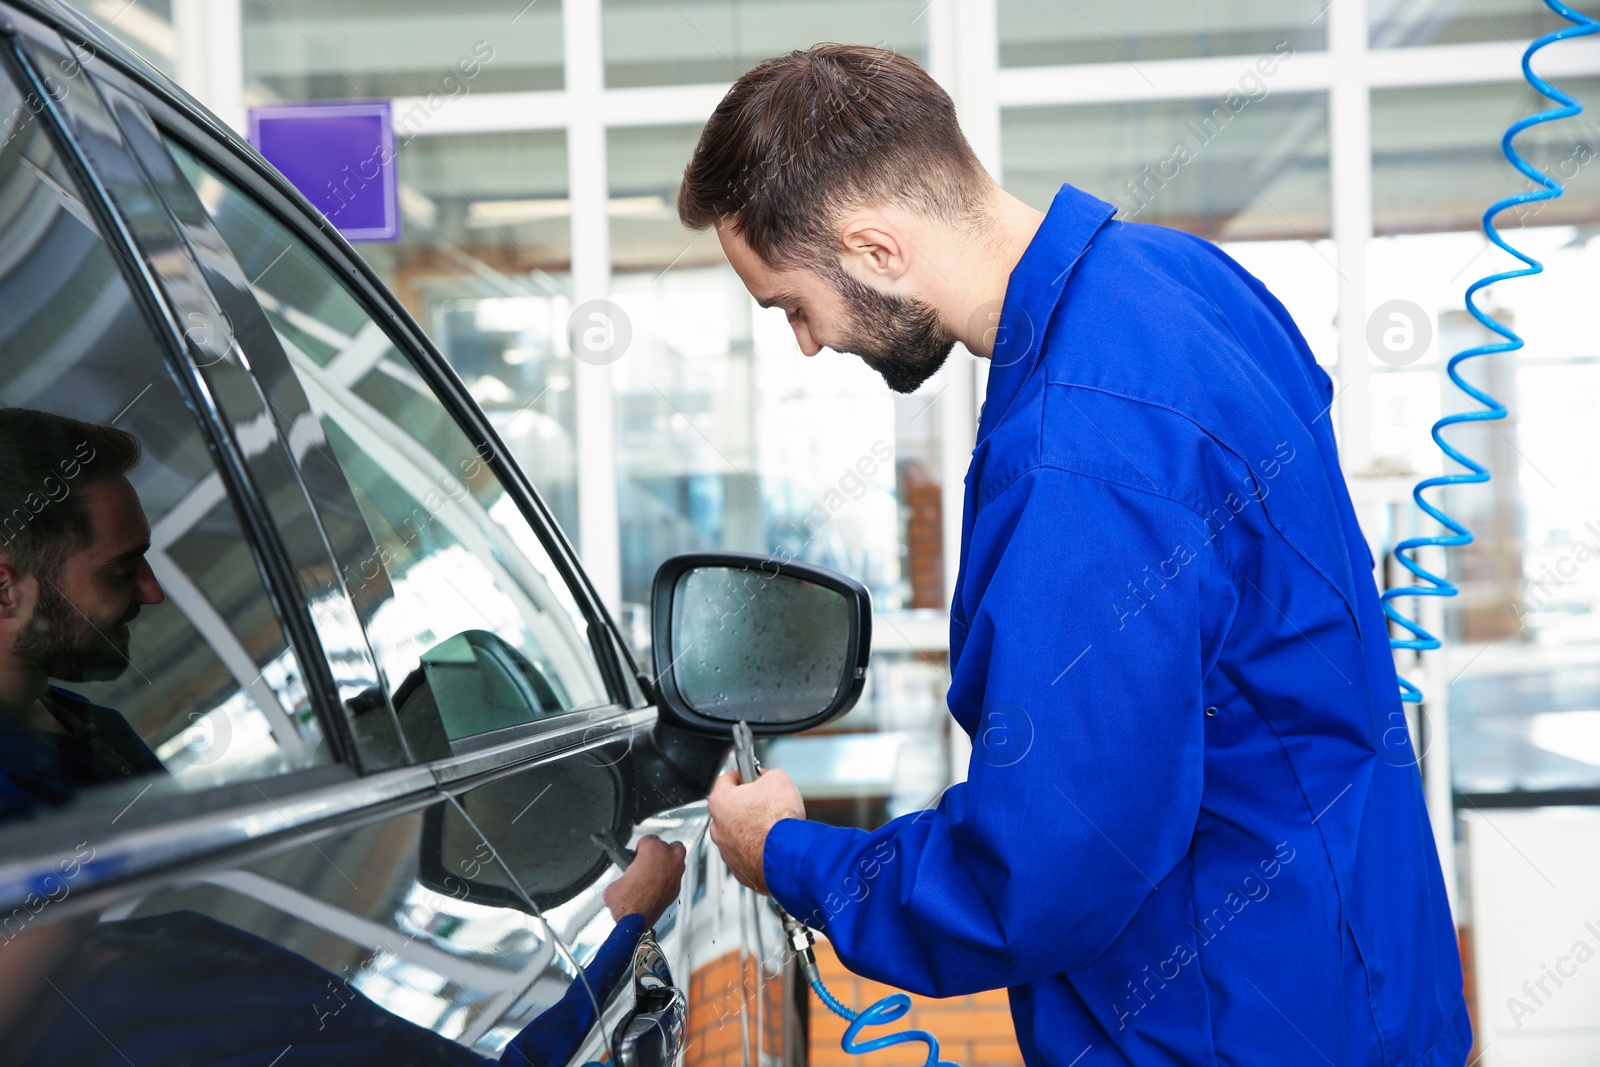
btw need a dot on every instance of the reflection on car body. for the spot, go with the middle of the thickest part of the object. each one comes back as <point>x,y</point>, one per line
<point>192,976</point>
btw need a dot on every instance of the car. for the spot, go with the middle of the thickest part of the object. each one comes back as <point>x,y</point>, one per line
<point>403,747</point>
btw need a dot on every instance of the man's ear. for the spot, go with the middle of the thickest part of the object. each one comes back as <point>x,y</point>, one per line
<point>15,596</point>
<point>872,248</point>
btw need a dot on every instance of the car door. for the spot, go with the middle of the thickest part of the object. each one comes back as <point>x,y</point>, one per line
<point>505,676</point>
<point>247,897</point>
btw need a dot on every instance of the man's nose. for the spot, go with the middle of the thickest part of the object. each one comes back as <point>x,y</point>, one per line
<point>147,590</point>
<point>808,344</point>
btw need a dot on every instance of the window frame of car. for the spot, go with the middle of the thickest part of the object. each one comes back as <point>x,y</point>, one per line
<point>179,116</point>
<point>23,46</point>
<point>239,164</point>
<point>236,812</point>
<point>268,192</point>
<point>171,828</point>
<point>150,841</point>
<point>221,151</point>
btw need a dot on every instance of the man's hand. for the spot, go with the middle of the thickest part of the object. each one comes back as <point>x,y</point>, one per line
<point>741,815</point>
<point>650,883</point>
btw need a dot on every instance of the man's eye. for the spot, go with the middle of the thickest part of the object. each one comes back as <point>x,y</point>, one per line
<point>796,315</point>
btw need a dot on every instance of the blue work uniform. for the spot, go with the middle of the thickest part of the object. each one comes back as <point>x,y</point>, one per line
<point>41,769</point>
<point>1193,828</point>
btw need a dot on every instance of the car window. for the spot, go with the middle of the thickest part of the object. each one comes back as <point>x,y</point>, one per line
<point>138,644</point>
<point>477,630</point>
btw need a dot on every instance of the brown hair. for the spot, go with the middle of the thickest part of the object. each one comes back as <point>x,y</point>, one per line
<point>47,459</point>
<point>806,136</point>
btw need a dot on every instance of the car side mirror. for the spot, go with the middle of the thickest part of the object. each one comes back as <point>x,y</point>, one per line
<point>746,638</point>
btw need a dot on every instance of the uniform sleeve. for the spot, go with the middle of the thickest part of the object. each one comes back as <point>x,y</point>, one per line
<point>552,1039</point>
<point>1082,670</point>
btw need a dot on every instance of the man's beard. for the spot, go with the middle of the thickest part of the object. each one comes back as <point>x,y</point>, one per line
<point>59,642</point>
<point>898,337</point>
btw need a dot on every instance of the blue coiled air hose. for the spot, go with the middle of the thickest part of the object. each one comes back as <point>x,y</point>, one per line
<point>879,1013</point>
<point>885,1010</point>
<point>1548,189</point>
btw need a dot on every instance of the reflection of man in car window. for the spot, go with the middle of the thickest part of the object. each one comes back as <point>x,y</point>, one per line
<point>72,578</point>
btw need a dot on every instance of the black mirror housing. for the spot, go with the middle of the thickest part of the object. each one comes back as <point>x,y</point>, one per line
<point>741,637</point>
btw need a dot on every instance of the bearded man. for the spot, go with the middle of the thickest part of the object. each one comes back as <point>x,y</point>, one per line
<point>73,577</point>
<point>1192,830</point>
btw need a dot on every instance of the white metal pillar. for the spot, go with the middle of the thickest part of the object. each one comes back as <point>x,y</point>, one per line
<point>963,56</point>
<point>599,543</point>
<point>976,32</point>
<point>210,55</point>
<point>1350,163</point>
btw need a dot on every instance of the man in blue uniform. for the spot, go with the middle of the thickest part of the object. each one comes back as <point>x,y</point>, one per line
<point>1192,830</point>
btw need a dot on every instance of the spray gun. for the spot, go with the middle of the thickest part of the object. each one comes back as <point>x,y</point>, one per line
<point>886,1010</point>
<point>799,935</point>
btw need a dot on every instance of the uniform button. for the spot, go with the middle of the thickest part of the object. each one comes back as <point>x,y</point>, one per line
<point>1211,711</point>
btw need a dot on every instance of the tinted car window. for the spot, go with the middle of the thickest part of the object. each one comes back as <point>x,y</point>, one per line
<point>479,630</point>
<point>141,647</point>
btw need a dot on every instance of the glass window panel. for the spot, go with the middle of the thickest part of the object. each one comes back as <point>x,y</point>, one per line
<point>1437,165</point>
<point>674,42</point>
<point>1524,716</point>
<point>482,263</point>
<point>190,654</point>
<point>1234,168</point>
<point>476,201</point>
<point>1402,23</point>
<point>1048,32</point>
<point>1521,638</point>
<point>353,50</point>
<point>479,612</point>
<point>644,168</point>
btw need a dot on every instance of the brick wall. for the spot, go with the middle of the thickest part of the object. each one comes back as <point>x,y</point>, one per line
<point>719,992</point>
<point>922,501</point>
<point>974,1031</point>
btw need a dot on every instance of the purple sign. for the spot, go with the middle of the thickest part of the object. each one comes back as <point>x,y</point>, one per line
<point>341,157</point>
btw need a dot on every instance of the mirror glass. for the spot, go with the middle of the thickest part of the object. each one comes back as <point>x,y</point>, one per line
<point>757,647</point>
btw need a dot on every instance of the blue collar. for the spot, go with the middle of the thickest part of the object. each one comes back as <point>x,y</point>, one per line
<point>1033,293</point>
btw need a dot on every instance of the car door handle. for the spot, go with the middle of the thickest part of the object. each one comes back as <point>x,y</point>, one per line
<point>654,1038</point>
